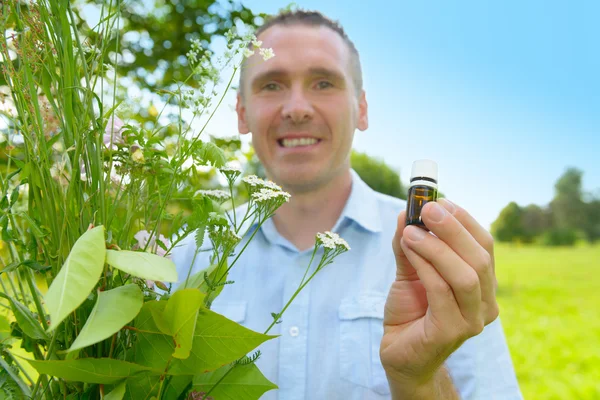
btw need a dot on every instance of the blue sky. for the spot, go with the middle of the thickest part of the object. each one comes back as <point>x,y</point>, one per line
<point>503,95</point>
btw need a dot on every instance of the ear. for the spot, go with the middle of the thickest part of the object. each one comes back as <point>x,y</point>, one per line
<point>363,114</point>
<point>240,108</point>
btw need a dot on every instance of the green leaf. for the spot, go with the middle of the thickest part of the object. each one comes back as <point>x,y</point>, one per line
<point>143,265</point>
<point>113,310</point>
<point>34,265</point>
<point>245,382</point>
<point>217,341</point>
<point>143,386</point>
<point>211,153</point>
<point>153,348</point>
<point>177,384</point>
<point>89,370</point>
<point>117,393</point>
<point>180,315</point>
<point>27,322</point>
<point>77,277</point>
<point>197,280</point>
<point>4,328</point>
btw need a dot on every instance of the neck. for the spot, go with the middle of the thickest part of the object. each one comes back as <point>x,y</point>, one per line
<point>308,213</point>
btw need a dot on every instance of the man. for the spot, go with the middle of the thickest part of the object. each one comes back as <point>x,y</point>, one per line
<point>402,314</point>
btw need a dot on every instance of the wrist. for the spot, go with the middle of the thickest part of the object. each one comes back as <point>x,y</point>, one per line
<point>436,386</point>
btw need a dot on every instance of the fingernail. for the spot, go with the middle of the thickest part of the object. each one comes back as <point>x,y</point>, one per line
<point>436,212</point>
<point>449,206</point>
<point>414,233</point>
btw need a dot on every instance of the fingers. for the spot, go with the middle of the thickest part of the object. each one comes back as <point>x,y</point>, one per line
<point>404,270</point>
<point>461,279</point>
<point>467,239</point>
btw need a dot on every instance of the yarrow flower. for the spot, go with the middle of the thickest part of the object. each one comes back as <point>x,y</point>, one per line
<point>332,241</point>
<point>257,183</point>
<point>266,53</point>
<point>267,194</point>
<point>231,172</point>
<point>216,194</point>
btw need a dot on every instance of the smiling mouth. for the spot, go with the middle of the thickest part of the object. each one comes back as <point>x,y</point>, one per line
<point>297,142</point>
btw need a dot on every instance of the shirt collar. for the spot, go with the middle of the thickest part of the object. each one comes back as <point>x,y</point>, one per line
<point>362,206</point>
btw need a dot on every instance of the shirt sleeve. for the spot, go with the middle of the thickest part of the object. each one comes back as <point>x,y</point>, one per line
<point>482,368</point>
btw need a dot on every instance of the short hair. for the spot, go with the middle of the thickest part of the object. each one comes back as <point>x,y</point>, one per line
<point>312,19</point>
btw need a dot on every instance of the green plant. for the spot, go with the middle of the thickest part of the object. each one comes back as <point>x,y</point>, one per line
<point>91,209</point>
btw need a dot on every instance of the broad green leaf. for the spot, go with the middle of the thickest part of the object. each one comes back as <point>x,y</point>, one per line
<point>27,322</point>
<point>177,384</point>
<point>117,393</point>
<point>4,328</point>
<point>77,277</point>
<point>89,370</point>
<point>211,154</point>
<point>113,310</point>
<point>244,382</point>
<point>197,281</point>
<point>217,341</point>
<point>143,386</point>
<point>143,265</point>
<point>180,315</point>
<point>153,348</point>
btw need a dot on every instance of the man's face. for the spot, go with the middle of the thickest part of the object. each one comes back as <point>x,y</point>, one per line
<point>301,106</point>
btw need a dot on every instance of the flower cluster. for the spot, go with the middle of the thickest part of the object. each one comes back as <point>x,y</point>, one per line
<point>264,195</point>
<point>255,183</point>
<point>265,53</point>
<point>231,172</point>
<point>333,241</point>
<point>215,194</point>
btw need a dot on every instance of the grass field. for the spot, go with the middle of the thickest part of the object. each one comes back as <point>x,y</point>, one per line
<point>550,309</point>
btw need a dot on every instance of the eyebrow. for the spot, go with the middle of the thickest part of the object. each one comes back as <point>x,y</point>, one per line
<point>316,71</point>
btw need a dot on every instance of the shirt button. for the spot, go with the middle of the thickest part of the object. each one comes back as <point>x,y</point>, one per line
<point>294,331</point>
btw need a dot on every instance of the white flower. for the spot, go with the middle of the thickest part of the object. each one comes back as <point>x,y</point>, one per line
<point>214,193</point>
<point>256,43</point>
<point>266,53</point>
<point>256,182</point>
<point>142,239</point>
<point>248,53</point>
<point>252,180</point>
<point>332,241</point>
<point>230,168</point>
<point>266,194</point>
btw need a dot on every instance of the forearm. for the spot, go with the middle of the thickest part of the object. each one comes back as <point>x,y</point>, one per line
<point>440,387</point>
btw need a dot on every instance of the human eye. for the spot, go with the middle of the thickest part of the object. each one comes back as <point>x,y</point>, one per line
<point>323,84</point>
<point>270,87</point>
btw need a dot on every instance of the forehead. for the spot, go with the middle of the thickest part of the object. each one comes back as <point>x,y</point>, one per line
<point>299,48</point>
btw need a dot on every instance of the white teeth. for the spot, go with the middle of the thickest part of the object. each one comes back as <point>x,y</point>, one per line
<point>298,142</point>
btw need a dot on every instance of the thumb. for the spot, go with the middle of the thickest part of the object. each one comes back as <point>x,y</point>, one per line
<point>404,269</point>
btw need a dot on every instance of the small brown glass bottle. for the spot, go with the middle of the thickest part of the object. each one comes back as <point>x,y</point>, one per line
<point>423,188</point>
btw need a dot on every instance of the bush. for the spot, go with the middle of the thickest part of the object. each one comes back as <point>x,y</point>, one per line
<point>559,237</point>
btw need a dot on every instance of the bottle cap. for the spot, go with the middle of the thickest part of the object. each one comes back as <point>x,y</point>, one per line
<point>424,170</point>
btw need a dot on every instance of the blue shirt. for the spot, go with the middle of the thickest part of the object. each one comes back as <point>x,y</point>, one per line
<point>330,335</point>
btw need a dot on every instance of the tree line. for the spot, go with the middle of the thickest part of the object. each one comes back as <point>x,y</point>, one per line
<point>572,215</point>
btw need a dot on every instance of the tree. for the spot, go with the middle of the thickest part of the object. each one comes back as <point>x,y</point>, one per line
<point>378,175</point>
<point>535,220</point>
<point>567,206</point>
<point>508,227</point>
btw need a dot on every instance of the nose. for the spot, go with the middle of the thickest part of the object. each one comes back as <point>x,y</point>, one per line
<point>297,108</point>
